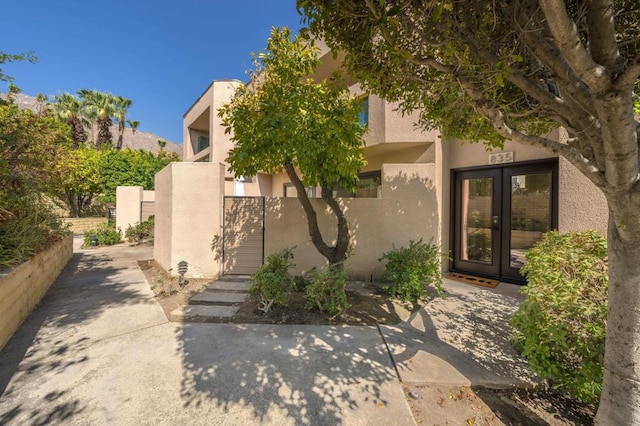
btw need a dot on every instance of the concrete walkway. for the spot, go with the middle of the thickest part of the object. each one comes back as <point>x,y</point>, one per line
<point>99,350</point>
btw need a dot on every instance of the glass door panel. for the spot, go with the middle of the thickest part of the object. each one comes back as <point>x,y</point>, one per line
<point>530,213</point>
<point>476,238</point>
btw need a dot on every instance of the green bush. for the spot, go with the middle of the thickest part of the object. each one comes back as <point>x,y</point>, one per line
<point>272,282</point>
<point>412,269</point>
<point>140,232</point>
<point>27,226</point>
<point>326,291</point>
<point>560,327</point>
<point>106,235</point>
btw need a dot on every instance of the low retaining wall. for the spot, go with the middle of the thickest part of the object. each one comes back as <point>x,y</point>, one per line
<point>80,225</point>
<point>22,287</point>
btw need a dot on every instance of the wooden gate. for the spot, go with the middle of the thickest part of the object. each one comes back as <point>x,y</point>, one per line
<point>147,208</point>
<point>243,246</point>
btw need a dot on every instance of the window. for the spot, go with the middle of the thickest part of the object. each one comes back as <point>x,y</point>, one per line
<point>368,186</point>
<point>363,115</point>
<point>203,143</point>
<point>290,191</point>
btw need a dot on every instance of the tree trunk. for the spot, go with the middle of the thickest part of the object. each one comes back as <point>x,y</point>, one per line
<point>120,136</point>
<point>72,203</point>
<point>343,238</point>
<point>104,134</point>
<point>337,254</point>
<point>77,132</point>
<point>620,400</point>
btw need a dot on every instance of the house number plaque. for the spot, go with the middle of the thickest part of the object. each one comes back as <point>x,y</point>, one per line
<point>501,157</point>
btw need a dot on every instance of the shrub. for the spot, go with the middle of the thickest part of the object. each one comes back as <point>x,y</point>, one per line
<point>272,282</point>
<point>141,231</point>
<point>106,235</point>
<point>412,269</point>
<point>560,327</point>
<point>326,291</point>
<point>27,226</point>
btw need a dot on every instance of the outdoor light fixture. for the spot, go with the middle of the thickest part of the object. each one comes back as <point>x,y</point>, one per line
<point>94,240</point>
<point>182,269</point>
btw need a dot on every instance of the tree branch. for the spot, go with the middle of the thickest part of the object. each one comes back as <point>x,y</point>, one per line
<point>564,31</point>
<point>602,35</point>
<point>490,111</point>
<point>532,36</point>
<point>627,80</point>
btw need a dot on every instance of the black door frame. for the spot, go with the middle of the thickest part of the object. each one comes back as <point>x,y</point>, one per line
<point>501,205</point>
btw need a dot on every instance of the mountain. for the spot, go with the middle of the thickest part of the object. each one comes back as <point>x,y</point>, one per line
<point>145,141</point>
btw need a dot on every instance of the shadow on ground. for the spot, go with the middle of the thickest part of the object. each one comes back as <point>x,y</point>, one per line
<point>49,344</point>
<point>292,373</point>
<point>461,339</point>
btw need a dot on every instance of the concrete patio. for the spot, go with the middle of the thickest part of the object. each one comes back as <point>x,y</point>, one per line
<point>99,350</point>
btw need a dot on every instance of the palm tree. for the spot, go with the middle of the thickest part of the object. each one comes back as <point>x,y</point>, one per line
<point>121,105</point>
<point>100,107</point>
<point>69,108</point>
<point>162,144</point>
<point>134,126</point>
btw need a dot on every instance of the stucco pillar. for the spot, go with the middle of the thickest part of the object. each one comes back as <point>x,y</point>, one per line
<point>188,217</point>
<point>128,205</point>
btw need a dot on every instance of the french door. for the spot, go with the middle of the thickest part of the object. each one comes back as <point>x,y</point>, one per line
<point>499,213</point>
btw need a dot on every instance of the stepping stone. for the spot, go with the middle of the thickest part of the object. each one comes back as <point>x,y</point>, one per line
<point>218,297</point>
<point>229,286</point>
<point>203,312</point>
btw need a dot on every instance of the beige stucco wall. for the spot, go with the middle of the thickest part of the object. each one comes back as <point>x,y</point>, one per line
<point>163,226</point>
<point>189,217</point>
<point>389,126</point>
<point>22,287</point>
<point>461,155</point>
<point>213,98</point>
<point>580,204</point>
<point>400,154</point>
<point>128,206</point>
<point>255,186</point>
<point>148,195</point>
<point>409,209</point>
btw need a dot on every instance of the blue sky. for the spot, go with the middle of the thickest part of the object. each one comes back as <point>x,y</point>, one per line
<point>161,54</point>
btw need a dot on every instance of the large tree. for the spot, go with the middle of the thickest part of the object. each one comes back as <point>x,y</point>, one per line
<point>492,70</point>
<point>127,167</point>
<point>76,180</point>
<point>283,120</point>
<point>100,107</point>
<point>122,106</point>
<point>71,110</point>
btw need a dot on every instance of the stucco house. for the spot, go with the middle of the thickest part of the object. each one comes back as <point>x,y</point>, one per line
<point>483,208</point>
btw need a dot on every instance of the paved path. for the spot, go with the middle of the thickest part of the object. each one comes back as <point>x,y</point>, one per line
<point>99,350</point>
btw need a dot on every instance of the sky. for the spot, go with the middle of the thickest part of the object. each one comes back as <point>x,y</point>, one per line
<point>160,54</point>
